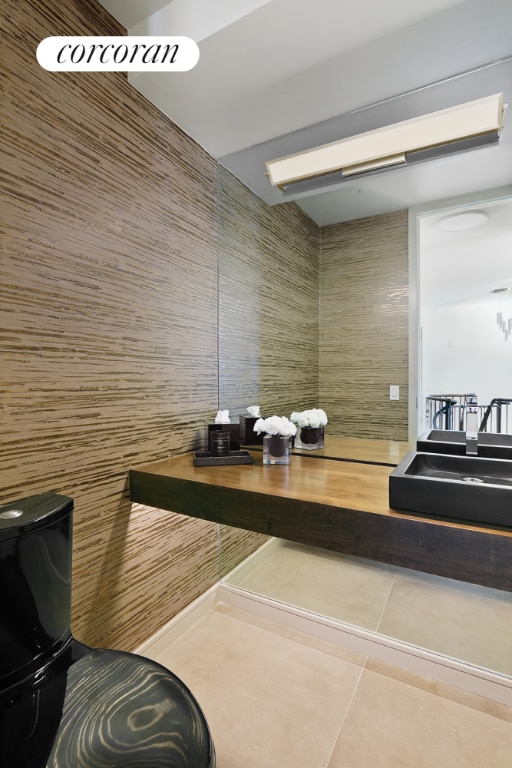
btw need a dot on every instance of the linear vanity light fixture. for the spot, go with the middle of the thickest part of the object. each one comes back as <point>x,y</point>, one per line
<point>472,124</point>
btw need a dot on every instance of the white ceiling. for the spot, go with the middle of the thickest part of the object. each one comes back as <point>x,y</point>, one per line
<point>278,76</point>
<point>466,266</point>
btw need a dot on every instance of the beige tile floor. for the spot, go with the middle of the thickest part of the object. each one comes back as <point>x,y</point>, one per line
<point>275,698</point>
<point>460,620</point>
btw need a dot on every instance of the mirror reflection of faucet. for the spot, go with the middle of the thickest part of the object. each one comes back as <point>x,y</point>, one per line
<point>471,425</point>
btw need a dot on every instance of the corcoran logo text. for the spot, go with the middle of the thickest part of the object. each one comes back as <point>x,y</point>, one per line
<point>118,54</point>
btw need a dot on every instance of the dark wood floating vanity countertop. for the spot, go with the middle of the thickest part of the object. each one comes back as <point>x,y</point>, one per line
<point>338,505</point>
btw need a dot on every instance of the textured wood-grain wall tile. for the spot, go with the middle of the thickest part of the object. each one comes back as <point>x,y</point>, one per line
<point>107,318</point>
<point>268,317</point>
<point>235,545</point>
<point>364,326</point>
<point>268,303</point>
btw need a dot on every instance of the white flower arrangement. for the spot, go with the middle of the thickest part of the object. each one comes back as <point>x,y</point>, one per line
<point>314,417</point>
<point>276,425</point>
<point>254,411</point>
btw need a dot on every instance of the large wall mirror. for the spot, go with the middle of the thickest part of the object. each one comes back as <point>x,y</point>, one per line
<point>445,321</point>
<point>455,344</point>
<point>321,294</point>
<point>271,328</point>
<point>400,265</point>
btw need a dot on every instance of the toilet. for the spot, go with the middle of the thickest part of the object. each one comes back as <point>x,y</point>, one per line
<point>62,703</point>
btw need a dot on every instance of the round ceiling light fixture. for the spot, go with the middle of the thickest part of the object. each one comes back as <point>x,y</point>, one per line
<point>463,220</point>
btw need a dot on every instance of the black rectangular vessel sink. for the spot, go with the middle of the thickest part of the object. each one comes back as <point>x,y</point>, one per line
<point>469,488</point>
<point>490,444</point>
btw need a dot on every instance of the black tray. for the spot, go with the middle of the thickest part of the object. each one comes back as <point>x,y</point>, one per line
<point>205,458</point>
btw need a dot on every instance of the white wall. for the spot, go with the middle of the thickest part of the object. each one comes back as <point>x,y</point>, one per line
<point>463,350</point>
<point>452,276</point>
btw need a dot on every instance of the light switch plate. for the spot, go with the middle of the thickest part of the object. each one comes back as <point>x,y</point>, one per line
<point>394,392</point>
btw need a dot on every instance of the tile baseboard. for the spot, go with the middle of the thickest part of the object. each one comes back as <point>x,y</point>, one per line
<point>443,669</point>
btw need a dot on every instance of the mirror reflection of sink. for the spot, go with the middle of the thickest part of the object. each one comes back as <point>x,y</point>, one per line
<point>490,444</point>
<point>469,488</point>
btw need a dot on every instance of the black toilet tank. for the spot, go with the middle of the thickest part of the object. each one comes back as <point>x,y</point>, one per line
<point>35,579</point>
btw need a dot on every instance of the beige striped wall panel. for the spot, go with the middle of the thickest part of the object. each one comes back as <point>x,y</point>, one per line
<point>268,303</point>
<point>235,545</point>
<point>108,319</point>
<point>364,326</point>
<point>268,317</point>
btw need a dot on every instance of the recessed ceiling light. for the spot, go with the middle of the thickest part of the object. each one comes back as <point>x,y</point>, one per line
<point>458,222</point>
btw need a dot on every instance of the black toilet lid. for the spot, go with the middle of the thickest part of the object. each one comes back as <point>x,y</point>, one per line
<point>109,709</point>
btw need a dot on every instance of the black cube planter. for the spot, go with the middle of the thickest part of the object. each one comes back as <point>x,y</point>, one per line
<point>309,438</point>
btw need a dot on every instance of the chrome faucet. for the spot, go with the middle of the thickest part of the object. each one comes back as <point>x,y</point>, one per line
<point>471,426</point>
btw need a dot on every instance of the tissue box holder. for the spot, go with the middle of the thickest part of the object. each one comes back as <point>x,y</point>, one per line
<point>247,434</point>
